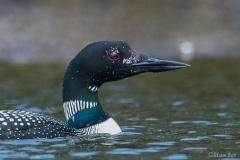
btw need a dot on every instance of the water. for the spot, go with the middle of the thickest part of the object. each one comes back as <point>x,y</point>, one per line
<point>185,114</point>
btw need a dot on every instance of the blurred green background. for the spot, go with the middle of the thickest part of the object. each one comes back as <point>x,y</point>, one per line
<point>58,29</point>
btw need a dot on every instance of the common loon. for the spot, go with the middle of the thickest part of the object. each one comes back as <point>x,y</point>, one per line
<point>94,65</point>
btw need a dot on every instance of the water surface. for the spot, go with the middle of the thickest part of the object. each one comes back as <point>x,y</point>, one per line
<point>185,114</point>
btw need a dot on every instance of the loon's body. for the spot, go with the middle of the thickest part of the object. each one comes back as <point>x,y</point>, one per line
<point>94,65</point>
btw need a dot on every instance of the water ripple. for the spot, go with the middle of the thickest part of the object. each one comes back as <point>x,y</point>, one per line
<point>197,149</point>
<point>83,154</point>
<point>133,151</point>
<point>166,143</point>
<point>194,138</point>
<point>176,157</point>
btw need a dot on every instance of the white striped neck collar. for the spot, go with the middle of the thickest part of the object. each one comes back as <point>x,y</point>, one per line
<point>84,113</point>
<point>73,106</point>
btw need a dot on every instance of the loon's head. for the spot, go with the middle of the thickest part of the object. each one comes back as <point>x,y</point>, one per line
<point>96,64</point>
<point>106,61</point>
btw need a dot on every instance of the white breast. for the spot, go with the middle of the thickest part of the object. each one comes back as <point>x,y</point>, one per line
<point>109,126</point>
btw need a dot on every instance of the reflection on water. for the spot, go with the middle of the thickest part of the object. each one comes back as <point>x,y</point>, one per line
<point>186,114</point>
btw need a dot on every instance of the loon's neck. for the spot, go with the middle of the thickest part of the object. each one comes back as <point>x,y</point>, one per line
<point>82,107</point>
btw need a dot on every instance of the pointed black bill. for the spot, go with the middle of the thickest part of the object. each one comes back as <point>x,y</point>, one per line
<point>157,65</point>
<point>160,65</point>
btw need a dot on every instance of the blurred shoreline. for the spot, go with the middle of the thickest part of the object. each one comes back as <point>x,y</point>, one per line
<point>59,29</point>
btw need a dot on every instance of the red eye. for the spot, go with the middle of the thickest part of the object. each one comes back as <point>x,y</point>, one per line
<point>113,55</point>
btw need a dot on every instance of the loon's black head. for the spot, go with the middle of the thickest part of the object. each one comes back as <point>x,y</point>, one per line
<point>106,61</point>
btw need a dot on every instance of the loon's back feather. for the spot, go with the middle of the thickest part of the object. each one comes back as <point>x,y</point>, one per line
<point>16,124</point>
